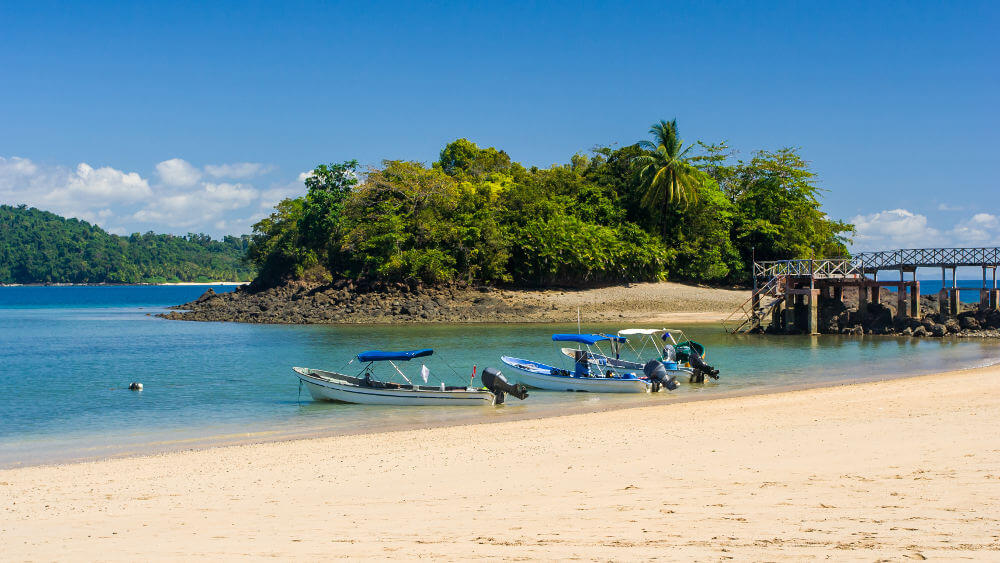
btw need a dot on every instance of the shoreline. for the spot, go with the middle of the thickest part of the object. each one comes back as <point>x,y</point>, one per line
<point>888,469</point>
<point>231,440</point>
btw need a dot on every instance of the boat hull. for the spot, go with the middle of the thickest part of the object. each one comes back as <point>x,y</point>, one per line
<point>533,374</point>
<point>324,389</point>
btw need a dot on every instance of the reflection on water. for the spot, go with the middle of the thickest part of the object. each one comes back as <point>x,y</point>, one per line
<point>65,370</point>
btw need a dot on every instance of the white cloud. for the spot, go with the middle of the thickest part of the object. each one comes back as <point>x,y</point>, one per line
<point>982,229</point>
<point>238,170</point>
<point>197,208</point>
<point>894,228</point>
<point>98,186</point>
<point>178,172</point>
<point>14,168</point>
<point>304,175</point>
<point>949,207</point>
<point>901,228</point>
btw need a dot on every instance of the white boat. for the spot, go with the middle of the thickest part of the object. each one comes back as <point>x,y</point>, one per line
<point>590,373</point>
<point>365,388</point>
<point>541,376</point>
<point>670,346</point>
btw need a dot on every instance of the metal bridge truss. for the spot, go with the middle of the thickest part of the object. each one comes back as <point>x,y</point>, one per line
<point>774,275</point>
<point>906,259</point>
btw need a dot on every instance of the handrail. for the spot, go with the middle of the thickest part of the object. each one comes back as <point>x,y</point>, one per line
<point>867,262</point>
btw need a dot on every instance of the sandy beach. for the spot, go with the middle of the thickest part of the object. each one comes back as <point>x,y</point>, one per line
<point>906,468</point>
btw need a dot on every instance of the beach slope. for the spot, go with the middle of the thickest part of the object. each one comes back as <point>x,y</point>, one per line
<point>897,469</point>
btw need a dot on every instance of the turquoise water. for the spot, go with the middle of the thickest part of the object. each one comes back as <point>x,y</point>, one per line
<point>932,287</point>
<point>67,355</point>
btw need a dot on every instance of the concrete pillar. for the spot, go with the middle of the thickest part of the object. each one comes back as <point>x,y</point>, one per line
<point>953,300</point>
<point>838,292</point>
<point>994,299</point>
<point>863,301</point>
<point>943,302</point>
<point>901,308</point>
<point>777,315</point>
<point>915,299</point>
<point>812,314</point>
<point>876,294</point>
<point>789,311</point>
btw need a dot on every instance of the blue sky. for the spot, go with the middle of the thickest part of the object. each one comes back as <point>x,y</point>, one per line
<point>184,117</point>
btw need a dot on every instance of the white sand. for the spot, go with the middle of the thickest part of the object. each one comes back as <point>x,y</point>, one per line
<point>891,470</point>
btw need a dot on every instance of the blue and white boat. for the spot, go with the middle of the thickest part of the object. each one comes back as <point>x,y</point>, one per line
<point>589,373</point>
<point>367,388</point>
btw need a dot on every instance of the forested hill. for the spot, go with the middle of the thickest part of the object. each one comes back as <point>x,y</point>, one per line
<point>41,247</point>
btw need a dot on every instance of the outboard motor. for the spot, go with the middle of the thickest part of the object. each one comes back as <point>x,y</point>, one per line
<point>498,384</point>
<point>657,374</point>
<point>700,367</point>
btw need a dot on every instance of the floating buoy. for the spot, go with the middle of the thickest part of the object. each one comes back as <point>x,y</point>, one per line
<point>135,386</point>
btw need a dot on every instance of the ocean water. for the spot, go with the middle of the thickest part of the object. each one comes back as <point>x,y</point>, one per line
<point>932,287</point>
<point>67,355</point>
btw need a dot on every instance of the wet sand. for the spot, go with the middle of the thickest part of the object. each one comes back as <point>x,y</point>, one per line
<point>907,468</point>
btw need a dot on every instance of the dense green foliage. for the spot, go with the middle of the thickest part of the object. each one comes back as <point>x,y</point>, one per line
<point>642,212</point>
<point>41,247</point>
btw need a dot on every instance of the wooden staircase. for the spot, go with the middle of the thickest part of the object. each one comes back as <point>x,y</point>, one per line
<point>758,307</point>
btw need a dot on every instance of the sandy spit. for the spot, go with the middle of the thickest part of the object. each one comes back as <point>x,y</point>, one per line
<point>892,470</point>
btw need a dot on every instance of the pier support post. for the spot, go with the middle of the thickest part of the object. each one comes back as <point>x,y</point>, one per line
<point>915,299</point>
<point>876,294</point>
<point>777,313</point>
<point>862,300</point>
<point>812,314</point>
<point>901,308</point>
<point>789,311</point>
<point>943,302</point>
<point>994,299</point>
<point>838,292</point>
<point>953,301</point>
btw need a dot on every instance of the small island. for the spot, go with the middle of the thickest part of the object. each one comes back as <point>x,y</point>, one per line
<point>476,236</point>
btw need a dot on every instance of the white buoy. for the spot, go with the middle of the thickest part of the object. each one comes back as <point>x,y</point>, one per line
<point>135,386</point>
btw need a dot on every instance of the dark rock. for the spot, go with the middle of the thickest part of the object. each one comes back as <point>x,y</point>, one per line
<point>209,293</point>
<point>920,331</point>
<point>939,330</point>
<point>969,323</point>
<point>952,325</point>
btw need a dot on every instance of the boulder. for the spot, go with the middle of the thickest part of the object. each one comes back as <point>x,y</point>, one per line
<point>952,325</point>
<point>209,293</point>
<point>939,330</point>
<point>969,322</point>
<point>908,331</point>
<point>920,331</point>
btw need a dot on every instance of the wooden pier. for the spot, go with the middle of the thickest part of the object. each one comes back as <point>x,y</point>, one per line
<point>786,293</point>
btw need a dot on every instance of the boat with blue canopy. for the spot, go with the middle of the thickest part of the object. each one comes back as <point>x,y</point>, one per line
<point>590,370</point>
<point>368,388</point>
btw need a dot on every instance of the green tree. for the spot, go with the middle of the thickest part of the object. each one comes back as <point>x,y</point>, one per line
<point>328,187</point>
<point>664,171</point>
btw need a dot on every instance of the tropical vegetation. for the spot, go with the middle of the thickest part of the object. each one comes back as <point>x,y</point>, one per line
<point>41,247</point>
<point>648,211</point>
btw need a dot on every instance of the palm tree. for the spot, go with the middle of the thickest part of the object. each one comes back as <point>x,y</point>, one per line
<point>664,172</point>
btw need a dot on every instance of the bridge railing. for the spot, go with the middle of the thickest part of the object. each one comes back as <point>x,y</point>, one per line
<point>868,262</point>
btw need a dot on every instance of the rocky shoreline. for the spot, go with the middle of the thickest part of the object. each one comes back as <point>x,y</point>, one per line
<point>349,302</point>
<point>844,317</point>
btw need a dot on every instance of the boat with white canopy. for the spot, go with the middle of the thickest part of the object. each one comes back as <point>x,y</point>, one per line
<point>367,388</point>
<point>588,373</point>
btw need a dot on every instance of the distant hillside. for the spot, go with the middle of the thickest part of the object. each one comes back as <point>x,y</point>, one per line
<point>41,247</point>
